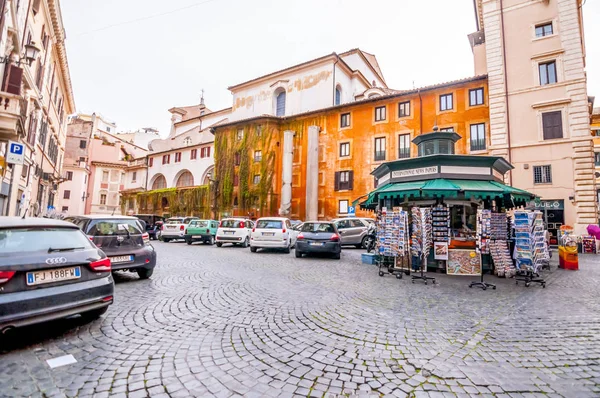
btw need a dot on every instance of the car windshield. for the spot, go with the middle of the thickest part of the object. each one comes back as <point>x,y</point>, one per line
<point>269,224</point>
<point>230,223</point>
<point>114,227</point>
<point>29,240</point>
<point>174,221</point>
<point>188,220</point>
<point>201,224</point>
<point>317,227</point>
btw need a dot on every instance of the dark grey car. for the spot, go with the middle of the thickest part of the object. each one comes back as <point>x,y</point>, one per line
<point>123,239</point>
<point>49,270</point>
<point>318,237</point>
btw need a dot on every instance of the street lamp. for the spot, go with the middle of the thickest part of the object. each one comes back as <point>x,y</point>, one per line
<point>212,183</point>
<point>30,54</point>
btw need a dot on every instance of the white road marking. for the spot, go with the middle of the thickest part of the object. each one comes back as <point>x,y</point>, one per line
<point>61,361</point>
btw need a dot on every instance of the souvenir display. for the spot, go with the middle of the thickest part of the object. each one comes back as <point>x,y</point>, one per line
<point>440,216</point>
<point>392,234</point>
<point>422,231</point>
<point>530,245</point>
<point>484,218</point>
<point>503,263</point>
<point>589,244</point>
<point>499,226</point>
<point>440,250</point>
<point>464,262</point>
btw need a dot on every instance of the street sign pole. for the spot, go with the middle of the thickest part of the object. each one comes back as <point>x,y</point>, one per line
<point>15,155</point>
<point>10,188</point>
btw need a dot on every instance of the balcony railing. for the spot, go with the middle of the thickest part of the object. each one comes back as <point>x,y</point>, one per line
<point>379,155</point>
<point>477,145</point>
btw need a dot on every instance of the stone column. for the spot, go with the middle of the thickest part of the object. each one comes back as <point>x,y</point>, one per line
<point>286,173</point>
<point>312,174</point>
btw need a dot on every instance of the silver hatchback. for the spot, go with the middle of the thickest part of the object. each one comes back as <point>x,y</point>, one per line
<point>353,231</point>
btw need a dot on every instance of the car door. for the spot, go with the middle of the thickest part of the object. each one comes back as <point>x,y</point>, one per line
<point>359,228</point>
<point>293,233</point>
<point>343,227</point>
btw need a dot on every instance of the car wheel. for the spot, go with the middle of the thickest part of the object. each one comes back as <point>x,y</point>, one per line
<point>287,249</point>
<point>94,314</point>
<point>337,256</point>
<point>211,241</point>
<point>219,244</point>
<point>298,254</point>
<point>144,273</point>
<point>253,249</point>
<point>246,242</point>
<point>188,241</point>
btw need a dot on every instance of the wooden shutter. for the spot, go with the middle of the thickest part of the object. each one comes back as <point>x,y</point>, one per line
<point>336,186</point>
<point>208,152</point>
<point>552,125</point>
<point>351,180</point>
<point>13,77</point>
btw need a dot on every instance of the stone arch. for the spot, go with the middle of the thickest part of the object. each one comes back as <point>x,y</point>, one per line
<point>184,178</point>
<point>158,182</point>
<point>279,101</point>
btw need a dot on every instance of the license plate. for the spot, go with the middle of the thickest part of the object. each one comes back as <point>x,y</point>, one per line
<point>316,243</point>
<point>53,275</point>
<point>196,236</point>
<point>229,232</point>
<point>268,233</point>
<point>121,259</point>
<point>170,226</point>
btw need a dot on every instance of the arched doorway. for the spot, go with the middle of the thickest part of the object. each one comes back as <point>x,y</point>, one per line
<point>160,182</point>
<point>185,179</point>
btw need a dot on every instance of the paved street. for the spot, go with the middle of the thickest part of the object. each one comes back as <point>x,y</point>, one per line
<point>222,321</point>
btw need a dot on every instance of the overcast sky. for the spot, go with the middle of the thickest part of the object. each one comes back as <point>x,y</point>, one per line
<point>132,60</point>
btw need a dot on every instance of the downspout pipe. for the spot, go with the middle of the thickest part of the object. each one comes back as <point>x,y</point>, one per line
<point>334,65</point>
<point>420,112</point>
<point>506,90</point>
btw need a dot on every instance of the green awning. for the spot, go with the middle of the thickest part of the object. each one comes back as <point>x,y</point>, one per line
<point>441,187</point>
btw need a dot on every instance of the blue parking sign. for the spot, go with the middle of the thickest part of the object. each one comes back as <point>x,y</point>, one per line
<point>16,149</point>
<point>351,211</point>
<point>16,153</point>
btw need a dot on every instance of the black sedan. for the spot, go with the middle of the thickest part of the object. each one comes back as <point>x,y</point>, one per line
<point>318,237</point>
<point>49,270</point>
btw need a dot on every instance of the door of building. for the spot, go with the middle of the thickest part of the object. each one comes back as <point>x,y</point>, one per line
<point>554,216</point>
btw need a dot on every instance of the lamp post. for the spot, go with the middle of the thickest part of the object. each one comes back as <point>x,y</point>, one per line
<point>212,183</point>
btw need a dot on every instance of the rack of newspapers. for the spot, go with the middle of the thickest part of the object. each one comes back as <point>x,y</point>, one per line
<point>421,240</point>
<point>484,226</point>
<point>392,243</point>
<point>499,248</point>
<point>530,247</point>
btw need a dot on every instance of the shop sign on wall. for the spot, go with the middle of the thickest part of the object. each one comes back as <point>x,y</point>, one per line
<point>548,204</point>
<point>415,172</point>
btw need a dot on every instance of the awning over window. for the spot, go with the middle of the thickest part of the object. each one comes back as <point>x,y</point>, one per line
<point>441,187</point>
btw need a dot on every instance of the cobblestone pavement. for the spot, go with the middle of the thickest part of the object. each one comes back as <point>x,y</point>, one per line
<point>222,322</point>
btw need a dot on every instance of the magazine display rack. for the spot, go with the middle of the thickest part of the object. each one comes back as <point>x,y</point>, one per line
<point>530,246</point>
<point>484,218</point>
<point>392,242</point>
<point>421,239</point>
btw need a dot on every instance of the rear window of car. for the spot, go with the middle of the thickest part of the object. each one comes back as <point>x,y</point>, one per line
<point>269,224</point>
<point>114,227</point>
<point>174,221</point>
<point>30,240</point>
<point>318,227</point>
<point>230,223</point>
<point>201,224</point>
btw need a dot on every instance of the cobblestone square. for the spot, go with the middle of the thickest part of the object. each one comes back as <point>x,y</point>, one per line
<point>227,322</point>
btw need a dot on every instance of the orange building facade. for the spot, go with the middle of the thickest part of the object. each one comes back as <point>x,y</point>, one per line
<point>353,139</point>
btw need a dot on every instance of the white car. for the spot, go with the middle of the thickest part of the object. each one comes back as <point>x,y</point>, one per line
<point>174,228</point>
<point>273,233</point>
<point>235,231</point>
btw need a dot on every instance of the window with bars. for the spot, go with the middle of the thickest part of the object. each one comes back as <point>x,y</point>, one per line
<point>547,73</point>
<point>404,109</point>
<point>542,174</point>
<point>552,125</point>
<point>344,149</point>
<point>257,156</point>
<point>344,180</point>
<point>446,102</point>
<point>476,97</point>
<point>403,146</point>
<point>380,148</point>
<point>478,137</point>
<point>543,30</point>
<point>380,113</point>
<point>345,120</point>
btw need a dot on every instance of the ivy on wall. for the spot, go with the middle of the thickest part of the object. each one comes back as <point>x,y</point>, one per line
<point>227,145</point>
<point>193,201</point>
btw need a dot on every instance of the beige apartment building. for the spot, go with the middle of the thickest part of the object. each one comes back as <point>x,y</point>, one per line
<point>36,97</point>
<point>533,52</point>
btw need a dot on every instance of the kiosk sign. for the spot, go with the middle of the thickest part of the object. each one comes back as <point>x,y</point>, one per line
<point>415,172</point>
<point>549,204</point>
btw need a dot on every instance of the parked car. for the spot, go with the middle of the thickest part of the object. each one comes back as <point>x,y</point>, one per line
<point>50,270</point>
<point>295,223</point>
<point>235,231</point>
<point>174,228</point>
<point>353,231</point>
<point>273,233</point>
<point>123,240</point>
<point>153,224</point>
<point>201,231</point>
<point>318,237</point>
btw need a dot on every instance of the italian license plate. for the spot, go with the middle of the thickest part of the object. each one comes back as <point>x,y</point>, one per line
<point>316,243</point>
<point>170,226</point>
<point>268,233</point>
<point>53,275</point>
<point>121,259</point>
<point>196,236</point>
<point>229,232</point>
